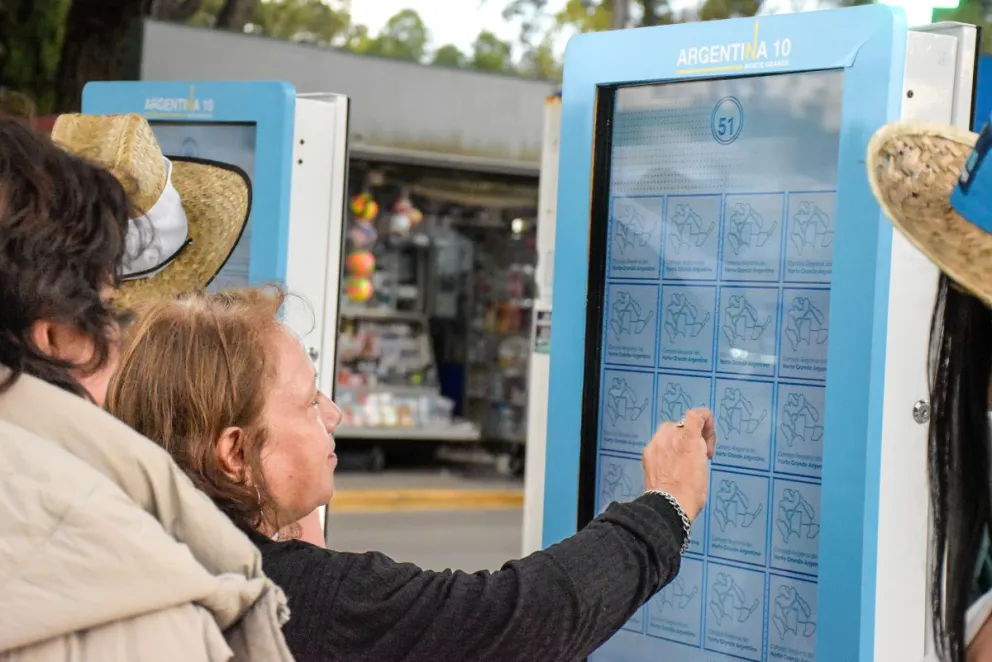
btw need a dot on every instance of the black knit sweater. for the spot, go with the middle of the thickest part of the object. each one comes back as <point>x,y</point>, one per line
<point>557,604</point>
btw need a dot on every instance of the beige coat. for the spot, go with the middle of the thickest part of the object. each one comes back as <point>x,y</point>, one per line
<point>109,554</point>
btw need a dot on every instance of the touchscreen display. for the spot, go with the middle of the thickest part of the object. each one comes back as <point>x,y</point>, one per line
<point>718,268</point>
<point>229,143</point>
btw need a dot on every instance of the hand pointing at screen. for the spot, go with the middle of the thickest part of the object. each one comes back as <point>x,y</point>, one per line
<point>676,461</point>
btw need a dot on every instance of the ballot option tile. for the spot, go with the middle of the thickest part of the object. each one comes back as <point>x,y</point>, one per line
<point>626,410</point>
<point>676,612</point>
<point>692,237</point>
<point>747,330</point>
<point>635,232</point>
<point>744,422</point>
<point>734,606</point>
<point>805,331</point>
<point>792,619</point>
<point>678,393</point>
<point>796,526</point>
<point>799,429</point>
<point>621,479</point>
<point>752,237</point>
<point>631,320</point>
<point>738,519</point>
<point>809,246</point>
<point>688,321</point>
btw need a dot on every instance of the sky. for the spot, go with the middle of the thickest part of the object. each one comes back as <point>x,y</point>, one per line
<point>450,21</point>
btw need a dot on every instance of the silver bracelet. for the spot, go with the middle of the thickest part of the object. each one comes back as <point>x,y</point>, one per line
<point>686,524</point>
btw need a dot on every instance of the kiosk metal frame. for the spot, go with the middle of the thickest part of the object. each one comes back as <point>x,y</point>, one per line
<point>876,371</point>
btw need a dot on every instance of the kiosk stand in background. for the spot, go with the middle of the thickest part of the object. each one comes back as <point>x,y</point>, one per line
<point>726,251</point>
<point>295,151</point>
<point>540,359</point>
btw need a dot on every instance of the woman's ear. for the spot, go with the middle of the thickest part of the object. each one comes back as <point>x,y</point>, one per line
<point>61,341</point>
<point>231,453</point>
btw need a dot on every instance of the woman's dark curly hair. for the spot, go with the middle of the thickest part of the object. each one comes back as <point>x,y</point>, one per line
<point>63,222</point>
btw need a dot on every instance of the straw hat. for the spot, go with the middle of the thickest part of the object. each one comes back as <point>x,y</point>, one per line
<point>913,168</point>
<point>191,211</point>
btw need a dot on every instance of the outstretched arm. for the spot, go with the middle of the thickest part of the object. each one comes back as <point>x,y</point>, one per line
<point>557,604</point>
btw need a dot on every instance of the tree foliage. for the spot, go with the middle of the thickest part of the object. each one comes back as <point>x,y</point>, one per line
<point>31,34</point>
<point>50,48</point>
<point>490,53</point>
<point>404,37</point>
<point>449,56</point>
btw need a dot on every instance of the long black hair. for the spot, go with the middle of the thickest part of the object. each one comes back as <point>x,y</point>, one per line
<point>960,371</point>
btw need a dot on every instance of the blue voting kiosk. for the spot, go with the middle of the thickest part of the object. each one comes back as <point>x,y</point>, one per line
<point>247,124</point>
<point>718,245</point>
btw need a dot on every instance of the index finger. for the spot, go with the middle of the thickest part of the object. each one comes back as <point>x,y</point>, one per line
<point>709,435</point>
<point>697,419</point>
<point>700,421</point>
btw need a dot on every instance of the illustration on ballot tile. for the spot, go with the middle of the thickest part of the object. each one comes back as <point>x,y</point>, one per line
<point>675,402</point>
<point>687,228</point>
<point>732,508</point>
<point>678,393</point>
<point>623,403</point>
<point>621,480</point>
<point>729,603</point>
<point>805,324</point>
<point>747,228</point>
<point>796,517</point>
<point>800,421</point>
<point>791,614</point>
<point>627,317</point>
<point>630,229</point>
<point>741,322</point>
<point>676,595</point>
<point>737,414</point>
<point>812,228</point>
<point>683,318</point>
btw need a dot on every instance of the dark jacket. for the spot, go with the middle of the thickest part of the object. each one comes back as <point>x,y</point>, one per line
<point>557,604</point>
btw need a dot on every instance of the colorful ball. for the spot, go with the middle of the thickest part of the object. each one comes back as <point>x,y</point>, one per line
<point>358,290</point>
<point>364,207</point>
<point>360,264</point>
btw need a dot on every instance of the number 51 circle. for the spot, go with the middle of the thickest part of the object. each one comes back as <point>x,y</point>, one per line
<point>727,120</point>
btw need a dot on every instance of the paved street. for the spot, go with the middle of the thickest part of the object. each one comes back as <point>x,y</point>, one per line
<point>435,519</point>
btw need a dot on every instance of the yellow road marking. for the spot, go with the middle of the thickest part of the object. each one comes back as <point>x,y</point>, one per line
<point>364,501</point>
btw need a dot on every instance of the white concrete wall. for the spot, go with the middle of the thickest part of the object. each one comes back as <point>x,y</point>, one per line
<point>395,104</point>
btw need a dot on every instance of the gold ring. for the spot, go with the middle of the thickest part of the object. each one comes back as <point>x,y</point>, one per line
<point>680,424</point>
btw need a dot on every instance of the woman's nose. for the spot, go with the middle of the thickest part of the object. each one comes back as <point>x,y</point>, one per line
<point>330,414</point>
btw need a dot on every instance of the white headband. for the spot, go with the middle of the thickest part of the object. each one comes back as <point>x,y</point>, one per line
<point>157,238</point>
